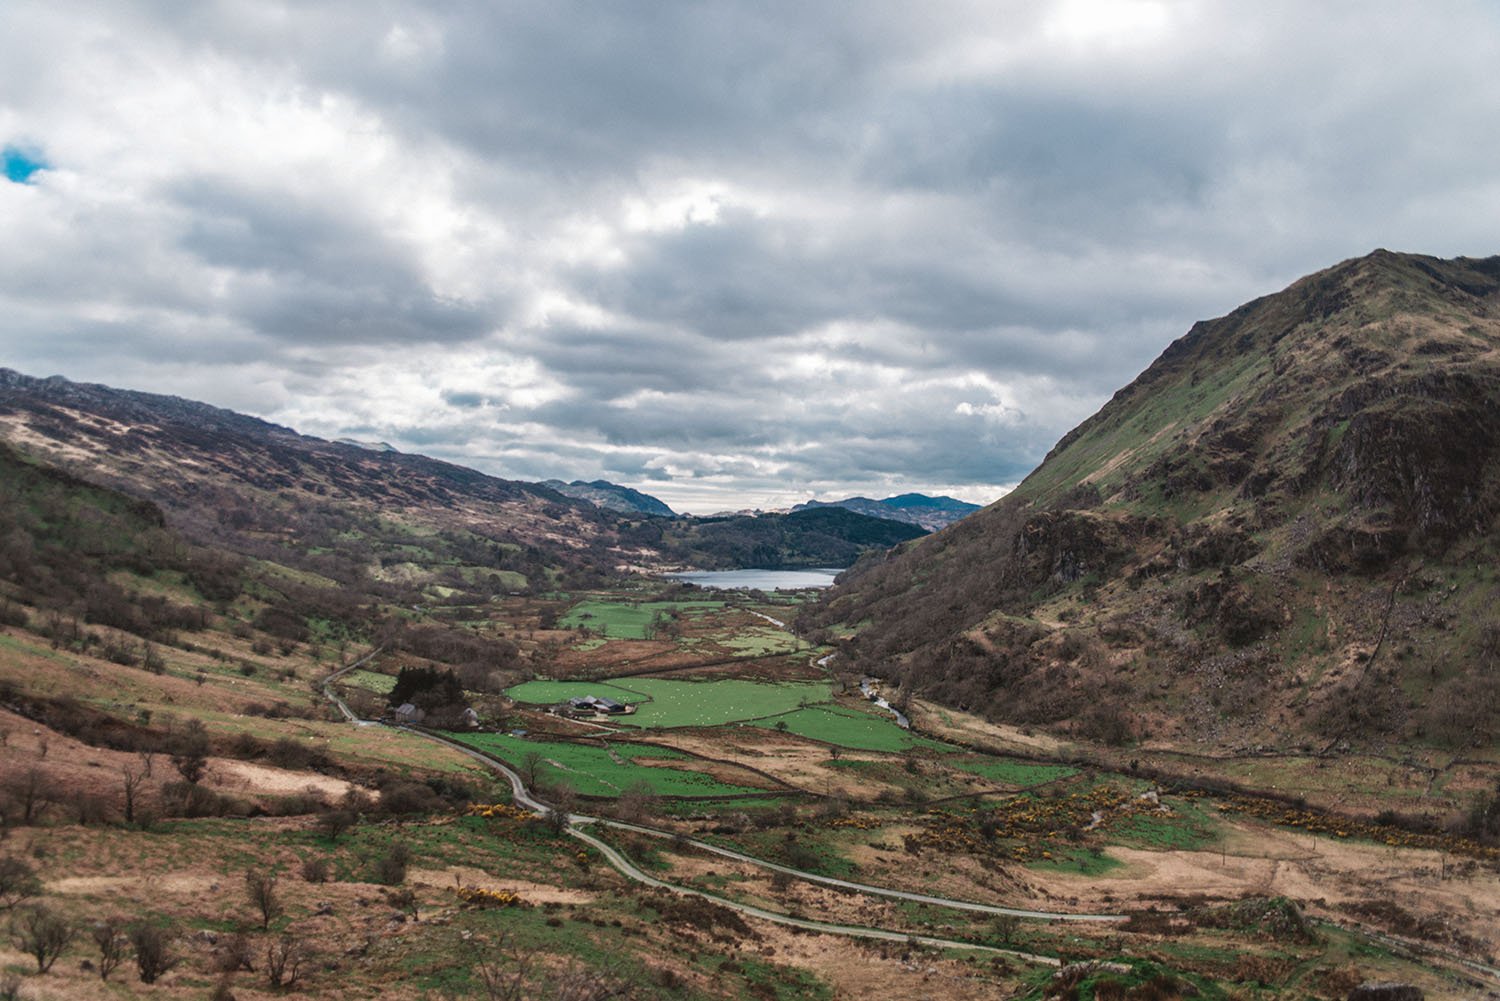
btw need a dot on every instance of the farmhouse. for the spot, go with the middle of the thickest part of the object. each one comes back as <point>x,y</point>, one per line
<point>588,705</point>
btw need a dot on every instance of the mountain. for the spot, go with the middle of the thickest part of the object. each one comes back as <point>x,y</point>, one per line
<point>822,537</point>
<point>355,513</point>
<point>612,496</point>
<point>931,513</point>
<point>263,490</point>
<point>1282,532</point>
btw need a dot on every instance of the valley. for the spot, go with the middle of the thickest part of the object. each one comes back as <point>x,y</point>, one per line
<point>1204,709</point>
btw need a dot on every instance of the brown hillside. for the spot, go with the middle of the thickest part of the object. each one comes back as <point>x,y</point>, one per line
<point>1282,532</point>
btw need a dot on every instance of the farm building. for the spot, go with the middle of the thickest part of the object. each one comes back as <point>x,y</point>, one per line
<point>589,704</point>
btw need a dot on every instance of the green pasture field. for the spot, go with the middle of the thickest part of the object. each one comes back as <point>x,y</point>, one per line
<point>669,703</point>
<point>759,641</point>
<point>592,771</point>
<point>381,684</point>
<point>1010,772</point>
<point>546,693</point>
<point>850,728</point>
<point>624,620</point>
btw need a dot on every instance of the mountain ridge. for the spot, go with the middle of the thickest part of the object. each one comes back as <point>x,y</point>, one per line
<point>1243,511</point>
<point>930,513</point>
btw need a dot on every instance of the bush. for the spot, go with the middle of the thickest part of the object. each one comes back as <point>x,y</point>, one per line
<point>391,868</point>
<point>111,940</point>
<point>42,935</point>
<point>152,951</point>
<point>315,870</point>
<point>18,882</point>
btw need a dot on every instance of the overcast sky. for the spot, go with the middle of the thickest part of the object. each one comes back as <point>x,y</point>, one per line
<point>732,254</point>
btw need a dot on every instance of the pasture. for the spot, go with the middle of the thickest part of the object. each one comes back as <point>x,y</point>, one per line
<point>594,770</point>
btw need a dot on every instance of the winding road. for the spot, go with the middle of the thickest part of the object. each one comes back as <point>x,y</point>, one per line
<point>524,797</point>
<point>576,823</point>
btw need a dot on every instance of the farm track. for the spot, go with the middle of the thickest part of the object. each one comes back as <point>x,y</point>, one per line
<point>622,864</point>
<point>524,797</point>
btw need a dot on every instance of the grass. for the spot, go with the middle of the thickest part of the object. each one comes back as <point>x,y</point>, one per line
<point>622,619</point>
<point>551,692</point>
<point>760,641</point>
<point>850,728</point>
<point>667,702</point>
<point>381,684</point>
<point>1189,827</point>
<point>594,771</point>
<point>1010,772</point>
<point>714,703</point>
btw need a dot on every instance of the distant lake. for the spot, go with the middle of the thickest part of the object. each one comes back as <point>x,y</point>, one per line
<point>759,580</point>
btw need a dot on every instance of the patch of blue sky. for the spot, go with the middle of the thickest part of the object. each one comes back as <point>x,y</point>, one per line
<point>20,164</point>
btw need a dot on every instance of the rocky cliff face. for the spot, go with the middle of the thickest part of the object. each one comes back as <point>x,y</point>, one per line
<point>1288,492</point>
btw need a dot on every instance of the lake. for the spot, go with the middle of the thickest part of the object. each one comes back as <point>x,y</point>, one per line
<point>759,580</point>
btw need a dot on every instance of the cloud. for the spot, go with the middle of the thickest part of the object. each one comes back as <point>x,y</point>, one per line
<point>738,253</point>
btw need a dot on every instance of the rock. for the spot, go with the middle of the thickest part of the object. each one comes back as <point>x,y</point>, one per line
<point>1372,991</point>
<point>324,909</point>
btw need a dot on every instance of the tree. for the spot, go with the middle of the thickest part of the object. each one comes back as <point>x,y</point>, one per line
<point>190,751</point>
<point>261,887</point>
<point>531,766</point>
<point>336,821</point>
<point>110,938</point>
<point>152,952</point>
<point>391,869</point>
<point>32,791</point>
<point>18,882</point>
<point>285,958</point>
<point>133,777</point>
<point>42,935</point>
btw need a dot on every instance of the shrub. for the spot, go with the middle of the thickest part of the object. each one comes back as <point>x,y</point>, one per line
<point>111,940</point>
<point>315,870</point>
<point>42,935</point>
<point>285,958</point>
<point>391,867</point>
<point>260,886</point>
<point>18,882</point>
<point>153,955</point>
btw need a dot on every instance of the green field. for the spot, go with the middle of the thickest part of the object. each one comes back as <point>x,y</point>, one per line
<point>666,702</point>
<point>546,693</point>
<point>1017,773</point>
<point>593,771</point>
<point>381,684</point>
<point>622,619</point>
<point>850,728</point>
<point>759,641</point>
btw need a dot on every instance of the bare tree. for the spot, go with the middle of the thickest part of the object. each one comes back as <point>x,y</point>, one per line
<point>336,821</point>
<point>530,768</point>
<point>190,751</point>
<point>153,955</point>
<point>42,935</point>
<point>18,882</point>
<point>134,778</point>
<point>261,887</point>
<point>32,792</point>
<point>285,958</point>
<point>109,936</point>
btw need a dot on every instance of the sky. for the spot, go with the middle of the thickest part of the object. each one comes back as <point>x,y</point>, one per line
<point>732,254</point>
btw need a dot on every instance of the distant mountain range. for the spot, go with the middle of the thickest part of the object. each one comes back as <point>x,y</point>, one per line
<point>611,496</point>
<point>931,513</point>
<point>347,509</point>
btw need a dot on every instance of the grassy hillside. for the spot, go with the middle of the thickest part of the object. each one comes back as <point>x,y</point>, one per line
<point>1279,534</point>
